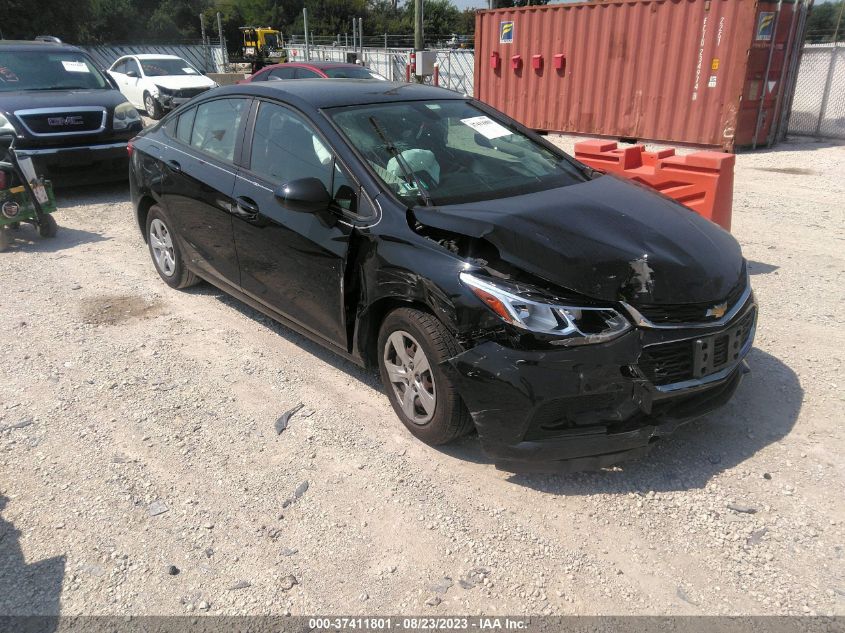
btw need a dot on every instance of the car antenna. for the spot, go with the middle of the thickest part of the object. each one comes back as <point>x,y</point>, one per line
<point>403,165</point>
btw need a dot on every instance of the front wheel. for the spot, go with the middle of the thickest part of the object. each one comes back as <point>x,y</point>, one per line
<point>152,107</point>
<point>412,346</point>
<point>47,227</point>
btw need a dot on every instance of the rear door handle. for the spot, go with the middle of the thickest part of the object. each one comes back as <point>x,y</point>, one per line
<point>175,166</point>
<point>245,208</point>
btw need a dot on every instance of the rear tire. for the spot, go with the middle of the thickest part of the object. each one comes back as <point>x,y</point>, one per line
<point>48,226</point>
<point>152,107</point>
<point>412,345</point>
<point>164,250</point>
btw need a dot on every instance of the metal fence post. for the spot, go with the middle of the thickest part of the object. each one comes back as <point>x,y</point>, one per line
<point>828,83</point>
<point>222,40</point>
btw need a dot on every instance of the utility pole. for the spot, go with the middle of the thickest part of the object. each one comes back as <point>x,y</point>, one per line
<point>418,25</point>
<point>305,24</point>
<point>361,39</point>
<point>223,56</point>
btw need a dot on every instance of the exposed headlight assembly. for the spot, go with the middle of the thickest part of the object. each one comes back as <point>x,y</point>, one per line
<point>533,310</point>
<point>163,90</point>
<point>124,116</point>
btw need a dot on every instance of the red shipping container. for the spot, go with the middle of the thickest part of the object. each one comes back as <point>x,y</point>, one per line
<point>714,73</point>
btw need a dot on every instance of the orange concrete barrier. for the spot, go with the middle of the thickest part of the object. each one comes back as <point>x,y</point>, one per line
<point>702,181</point>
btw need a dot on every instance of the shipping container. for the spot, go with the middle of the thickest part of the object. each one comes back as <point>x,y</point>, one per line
<point>714,73</point>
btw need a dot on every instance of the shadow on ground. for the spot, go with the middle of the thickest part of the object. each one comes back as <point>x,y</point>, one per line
<point>27,589</point>
<point>26,238</point>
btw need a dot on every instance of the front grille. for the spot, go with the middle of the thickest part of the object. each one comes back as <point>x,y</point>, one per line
<point>668,363</point>
<point>690,312</point>
<point>187,93</point>
<point>46,122</point>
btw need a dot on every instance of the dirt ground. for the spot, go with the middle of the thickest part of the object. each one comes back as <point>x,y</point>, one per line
<point>140,472</point>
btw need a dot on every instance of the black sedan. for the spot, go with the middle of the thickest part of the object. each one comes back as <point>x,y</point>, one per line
<point>570,317</point>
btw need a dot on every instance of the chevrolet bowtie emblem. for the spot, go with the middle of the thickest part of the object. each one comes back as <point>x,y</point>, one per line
<point>718,310</point>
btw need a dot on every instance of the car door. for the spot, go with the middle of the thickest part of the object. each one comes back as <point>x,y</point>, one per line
<point>198,180</point>
<point>292,261</point>
<point>118,73</point>
<point>134,91</point>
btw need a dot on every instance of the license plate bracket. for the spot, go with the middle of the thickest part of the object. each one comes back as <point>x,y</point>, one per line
<point>717,351</point>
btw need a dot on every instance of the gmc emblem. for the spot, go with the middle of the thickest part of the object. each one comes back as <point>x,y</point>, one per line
<point>61,121</point>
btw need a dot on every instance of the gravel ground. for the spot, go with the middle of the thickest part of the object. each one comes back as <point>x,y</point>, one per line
<point>140,472</point>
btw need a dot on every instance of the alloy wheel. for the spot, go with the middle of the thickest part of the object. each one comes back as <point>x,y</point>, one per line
<point>410,376</point>
<point>149,105</point>
<point>162,246</point>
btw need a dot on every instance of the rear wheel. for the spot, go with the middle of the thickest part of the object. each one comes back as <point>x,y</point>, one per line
<point>164,249</point>
<point>412,346</point>
<point>152,107</point>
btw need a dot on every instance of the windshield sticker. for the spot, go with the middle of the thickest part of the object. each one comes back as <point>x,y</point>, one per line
<point>190,71</point>
<point>486,126</point>
<point>76,67</point>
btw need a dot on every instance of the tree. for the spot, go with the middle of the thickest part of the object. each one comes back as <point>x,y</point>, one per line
<point>821,25</point>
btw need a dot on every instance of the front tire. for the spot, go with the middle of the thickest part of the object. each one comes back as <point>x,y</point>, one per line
<point>152,107</point>
<point>48,226</point>
<point>164,249</point>
<point>412,347</point>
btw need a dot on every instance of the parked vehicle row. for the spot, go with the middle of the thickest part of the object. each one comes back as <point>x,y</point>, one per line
<point>571,318</point>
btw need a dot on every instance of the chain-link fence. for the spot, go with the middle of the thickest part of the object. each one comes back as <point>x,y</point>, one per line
<point>818,105</point>
<point>206,57</point>
<point>455,66</point>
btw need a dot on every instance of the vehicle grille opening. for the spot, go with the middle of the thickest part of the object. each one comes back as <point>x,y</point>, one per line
<point>668,363</point>
<point>62,122</point>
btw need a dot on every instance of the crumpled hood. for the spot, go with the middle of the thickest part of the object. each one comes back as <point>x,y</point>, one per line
<point>178,82</point>
<point>607,238</point>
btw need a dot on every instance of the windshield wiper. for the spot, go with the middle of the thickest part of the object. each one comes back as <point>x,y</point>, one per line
<point>403,165</point>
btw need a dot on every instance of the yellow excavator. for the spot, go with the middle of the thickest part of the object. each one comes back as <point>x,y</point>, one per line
<point>262,46</point>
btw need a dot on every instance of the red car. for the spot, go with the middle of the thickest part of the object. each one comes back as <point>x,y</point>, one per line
<point>312,70</point>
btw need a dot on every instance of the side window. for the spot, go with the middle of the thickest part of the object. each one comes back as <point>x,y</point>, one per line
<point>285,147</point>
<point>215,126</point>
<point>131,64</point>
<point>185,125</point>
<point>281,73</point>
<point>304,73</point>
<point>119,67</point>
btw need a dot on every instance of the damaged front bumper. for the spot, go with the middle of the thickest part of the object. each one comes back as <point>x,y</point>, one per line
<point>587,407</point>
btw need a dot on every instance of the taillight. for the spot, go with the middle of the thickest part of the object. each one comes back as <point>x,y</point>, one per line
<point>130,147</point>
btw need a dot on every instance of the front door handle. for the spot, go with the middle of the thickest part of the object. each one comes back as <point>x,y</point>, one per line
<point>245,208</point>
<point>175,166</point>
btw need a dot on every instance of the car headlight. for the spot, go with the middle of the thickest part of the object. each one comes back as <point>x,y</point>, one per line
<point>125,115</point>
<point>164,91</point>
<point>534,310</point>
<point>6,125</point>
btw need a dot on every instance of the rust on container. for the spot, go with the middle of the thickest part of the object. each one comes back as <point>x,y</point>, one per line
<point>703,72</point>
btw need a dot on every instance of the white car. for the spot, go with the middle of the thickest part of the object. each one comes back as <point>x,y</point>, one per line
<point>157,83</point>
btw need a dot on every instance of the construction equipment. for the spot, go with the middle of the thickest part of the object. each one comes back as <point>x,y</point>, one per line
<point>261,46</point>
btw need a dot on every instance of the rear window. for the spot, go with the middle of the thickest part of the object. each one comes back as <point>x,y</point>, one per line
<point>48,70</point>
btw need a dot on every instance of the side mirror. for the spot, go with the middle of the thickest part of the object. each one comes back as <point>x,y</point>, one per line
<point>306,195</point>
<point>132,73</point>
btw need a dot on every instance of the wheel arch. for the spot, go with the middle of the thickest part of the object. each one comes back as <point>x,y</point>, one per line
<point>144,205</point>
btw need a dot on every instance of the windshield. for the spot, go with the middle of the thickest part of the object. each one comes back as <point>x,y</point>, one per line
<point>42,70</point>
<point>271,41</point>
<point>166,66</point>
<point>351,72</point>
<point>450,152</point>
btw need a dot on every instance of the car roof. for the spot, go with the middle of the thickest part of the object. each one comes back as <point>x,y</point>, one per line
<point>323,65</point>
<point>154,56</point>
<point>36,45</point>
<point>330,93</point>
